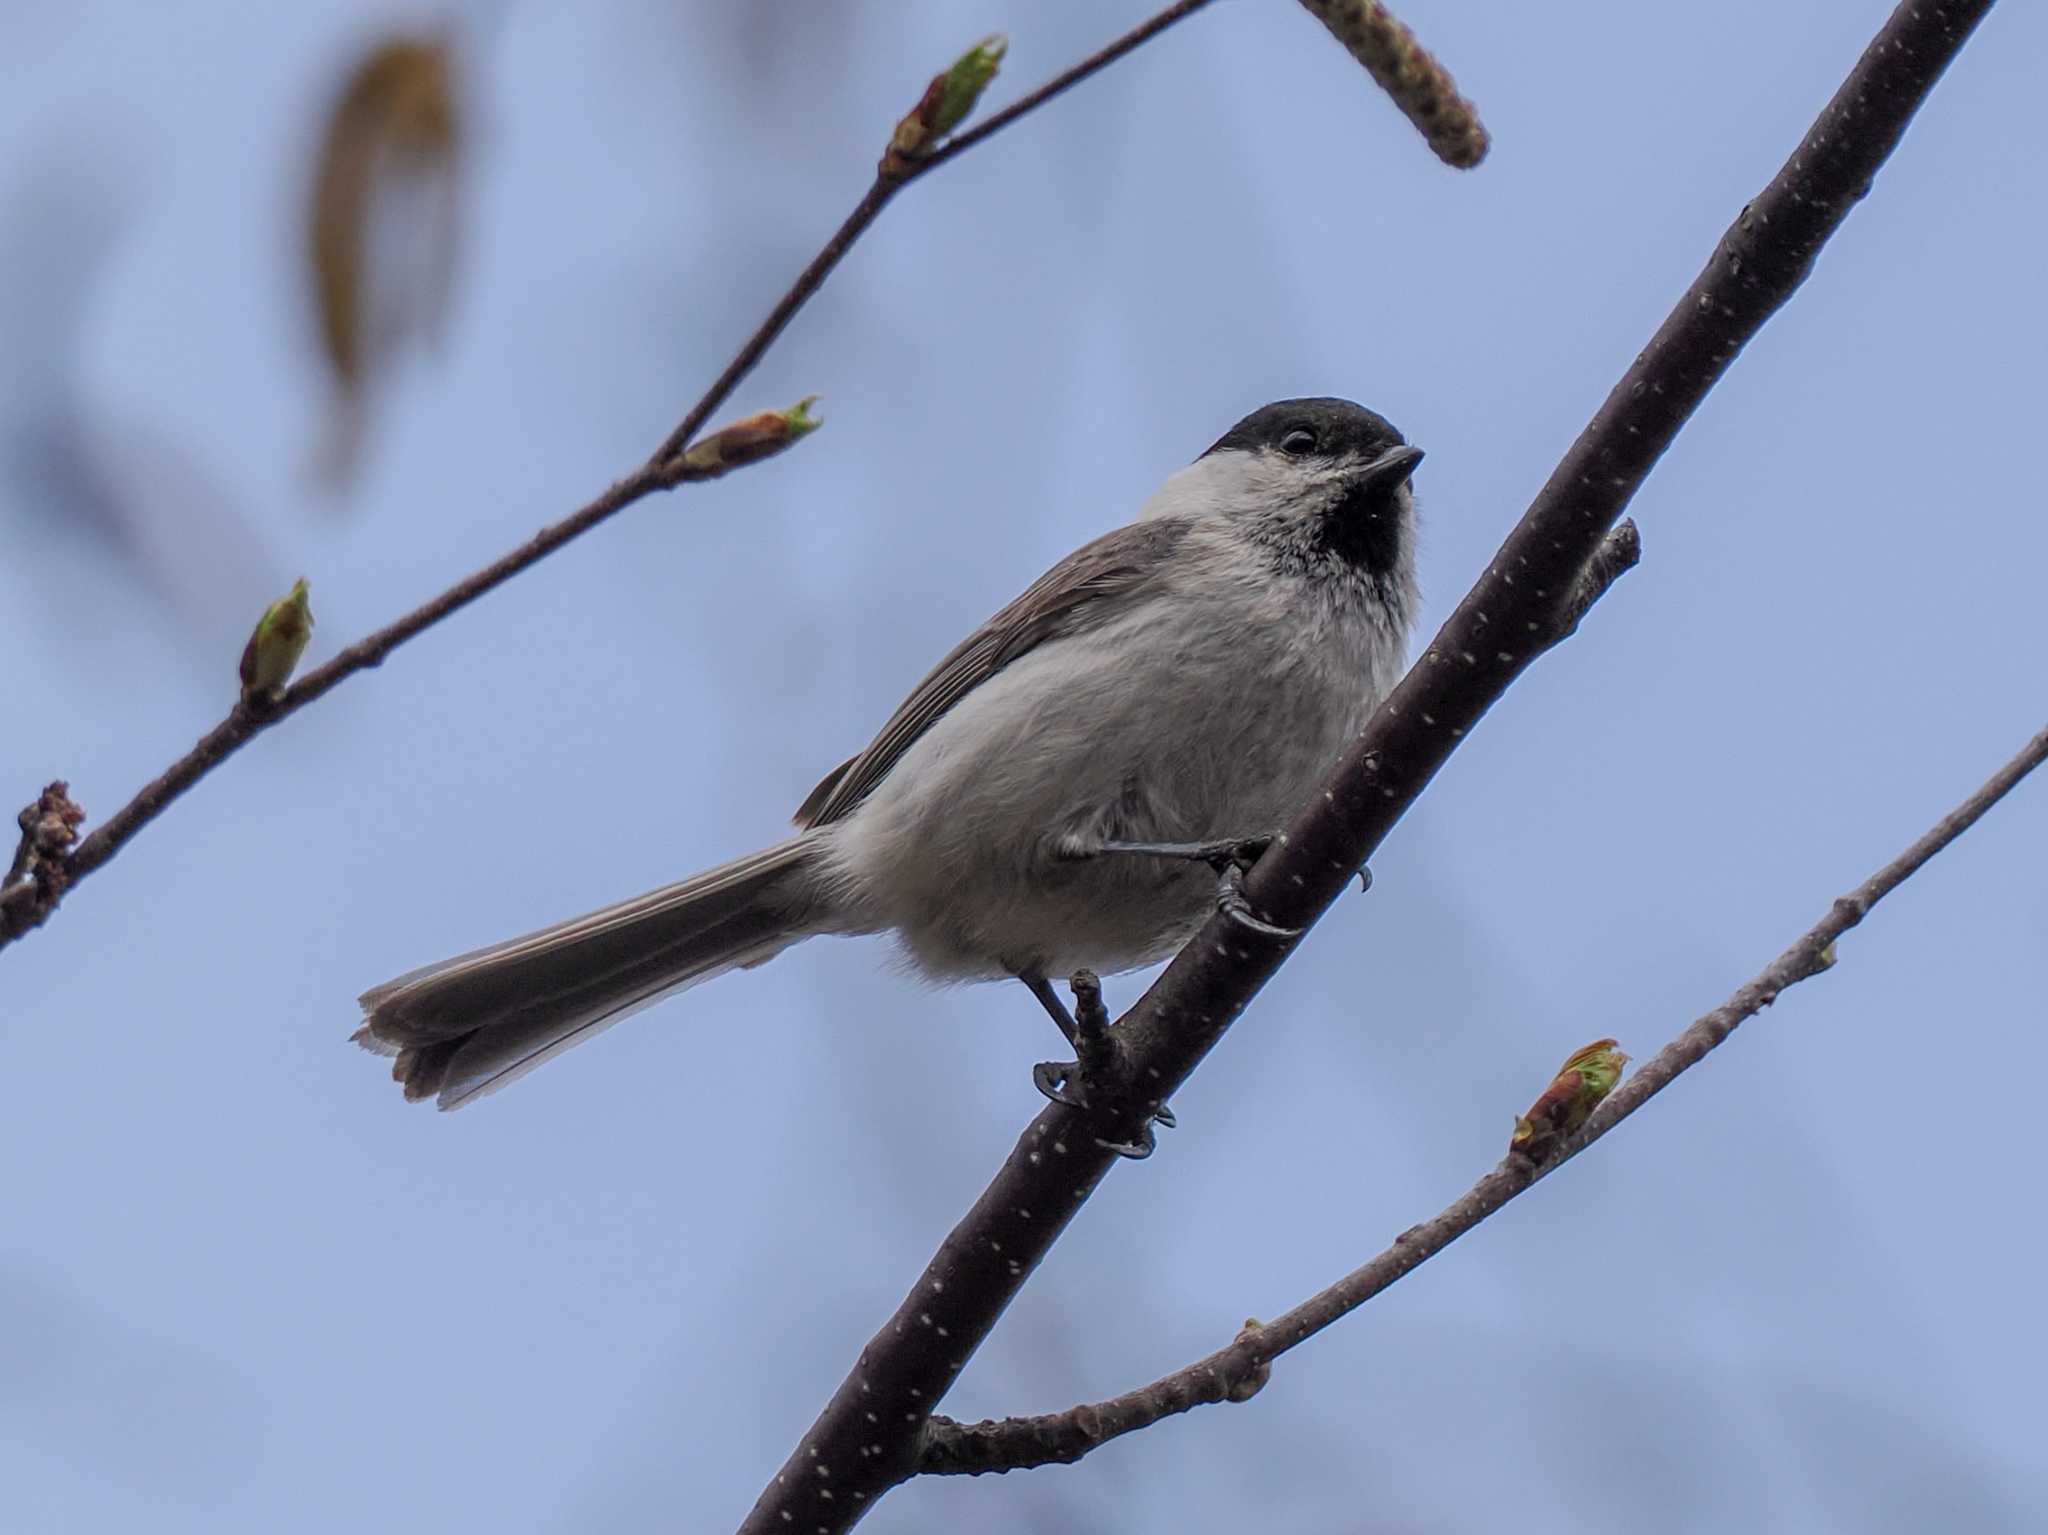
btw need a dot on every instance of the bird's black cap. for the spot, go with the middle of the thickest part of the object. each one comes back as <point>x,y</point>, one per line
<point>1337,427</point>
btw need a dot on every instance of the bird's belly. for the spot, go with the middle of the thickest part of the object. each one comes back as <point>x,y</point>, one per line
<point>975,847</point>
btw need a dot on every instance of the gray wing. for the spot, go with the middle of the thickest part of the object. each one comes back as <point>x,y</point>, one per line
<point>1065,600</point>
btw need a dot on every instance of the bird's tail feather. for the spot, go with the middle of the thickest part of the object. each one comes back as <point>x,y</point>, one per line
<point>469,1025</point>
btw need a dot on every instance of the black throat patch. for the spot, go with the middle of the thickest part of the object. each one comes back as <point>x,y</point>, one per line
<point>1361,528</point>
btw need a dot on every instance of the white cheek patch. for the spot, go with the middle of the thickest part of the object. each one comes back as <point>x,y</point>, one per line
<point>1234,482</point>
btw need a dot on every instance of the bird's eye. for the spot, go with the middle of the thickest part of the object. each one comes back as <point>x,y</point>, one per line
<point>1298,442</point>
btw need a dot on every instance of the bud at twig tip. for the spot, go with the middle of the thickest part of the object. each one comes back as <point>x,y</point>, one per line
<point>1589,1076</point>
<point>279,640</point>
<point>944,105</point>
<point>966,80</point>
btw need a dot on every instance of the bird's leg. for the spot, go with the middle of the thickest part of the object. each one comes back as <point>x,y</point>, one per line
<point>1227,856</point>
<point>1049,999</point>
<point>1238,853</point>
<point>1094,1062</point>
<point>1094,1078</point>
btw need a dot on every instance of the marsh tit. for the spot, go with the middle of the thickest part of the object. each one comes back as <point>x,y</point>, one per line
<point>1179,684</point>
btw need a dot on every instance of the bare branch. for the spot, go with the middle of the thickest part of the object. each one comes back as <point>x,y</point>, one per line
<point>662,471</point>
<point>869,1437</point>
<point>1235,1372</point>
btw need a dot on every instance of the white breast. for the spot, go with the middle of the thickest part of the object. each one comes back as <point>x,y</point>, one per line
<point>1208,712</point>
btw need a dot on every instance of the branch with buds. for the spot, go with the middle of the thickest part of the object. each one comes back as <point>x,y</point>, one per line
<point>919,145</point>
<point>1565,1121</point>
<point>924,139</point>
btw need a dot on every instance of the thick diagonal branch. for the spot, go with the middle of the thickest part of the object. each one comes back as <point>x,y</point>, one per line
<point>1233,1373</point>
<point>869,1436</point>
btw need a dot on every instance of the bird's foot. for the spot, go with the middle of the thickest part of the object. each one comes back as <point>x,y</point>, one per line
<point>1095,1081</point>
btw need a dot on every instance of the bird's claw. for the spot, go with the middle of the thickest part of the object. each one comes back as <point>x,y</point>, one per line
<point>1231,901</point>
<point>1061,1081</point>
<point>1065,1083</point>
<point>1137,1150</point>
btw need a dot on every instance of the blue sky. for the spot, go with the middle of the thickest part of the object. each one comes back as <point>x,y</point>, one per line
<point>249,1289</point>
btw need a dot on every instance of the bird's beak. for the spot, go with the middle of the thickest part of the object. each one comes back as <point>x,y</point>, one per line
<point>1390,469</point>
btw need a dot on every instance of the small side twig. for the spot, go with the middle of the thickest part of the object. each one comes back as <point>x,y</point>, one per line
<point>1094,1050</point>
<point>1232,1373</point>
<point>1617,555</point>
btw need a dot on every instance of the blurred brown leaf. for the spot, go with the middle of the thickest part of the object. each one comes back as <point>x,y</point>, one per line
<point>382,226</point>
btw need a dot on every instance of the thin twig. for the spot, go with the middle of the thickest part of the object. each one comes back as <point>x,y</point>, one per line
<point>800,293</point>
<point>996,122</point>
<point>868,1438</point>
<point>1234,1372</point>
<point>249,719</point>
